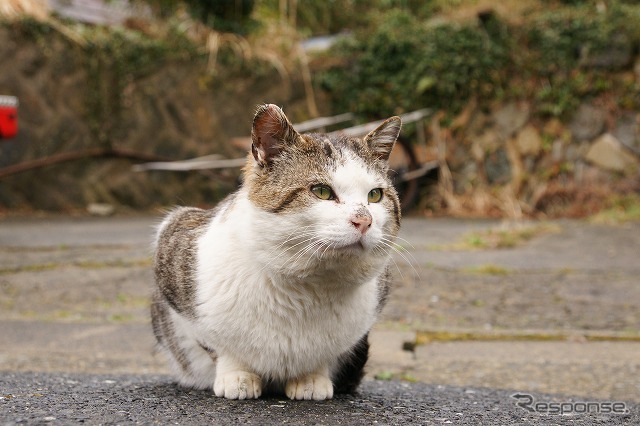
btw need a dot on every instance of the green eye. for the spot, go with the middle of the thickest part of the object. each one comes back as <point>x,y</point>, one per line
<point>323,192</point>
<point>375,195</point>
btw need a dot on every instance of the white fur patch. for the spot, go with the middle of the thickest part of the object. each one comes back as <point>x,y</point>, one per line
<point>352,182</point>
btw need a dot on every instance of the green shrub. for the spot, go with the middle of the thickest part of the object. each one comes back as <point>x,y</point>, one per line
<point>402,64</point>
<point>222,15</point>
<point>557,47</point>
<point>557,39</point>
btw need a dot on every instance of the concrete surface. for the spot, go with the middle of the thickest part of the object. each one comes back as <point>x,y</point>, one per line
<point>559,314</point>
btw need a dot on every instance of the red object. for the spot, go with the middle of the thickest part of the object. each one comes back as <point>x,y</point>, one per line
<point>8,116</point>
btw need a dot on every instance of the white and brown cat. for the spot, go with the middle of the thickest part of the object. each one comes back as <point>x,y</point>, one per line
<point>278,286</point>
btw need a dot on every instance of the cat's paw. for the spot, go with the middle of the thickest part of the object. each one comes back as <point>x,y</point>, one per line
<point>238,385</point>
<point>313,386</point>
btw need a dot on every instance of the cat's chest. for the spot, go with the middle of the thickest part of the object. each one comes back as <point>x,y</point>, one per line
<point>278,306</point>
<point>317,307</point>
<point>296,325</point>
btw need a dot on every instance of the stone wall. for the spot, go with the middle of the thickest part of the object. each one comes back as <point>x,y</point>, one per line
<point>511,162</point>
<point>505,160</point>
<point>177,110</point>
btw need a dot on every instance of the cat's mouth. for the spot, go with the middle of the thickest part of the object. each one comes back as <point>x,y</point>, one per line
<point>356,246</point>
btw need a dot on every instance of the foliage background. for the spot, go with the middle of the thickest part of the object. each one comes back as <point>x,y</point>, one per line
<point>185,82</point>
<point>401,62</point>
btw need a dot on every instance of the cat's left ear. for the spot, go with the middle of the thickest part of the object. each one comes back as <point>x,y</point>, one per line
<point>271,133</point>
<point>381,140</point>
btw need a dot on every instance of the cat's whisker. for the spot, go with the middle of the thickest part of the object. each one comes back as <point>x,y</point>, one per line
<point>329,246</point>
<point>379,249</point>
<point>405,255</point>
<point>302,247</point>
<point>396,246</point>
<point>321,243</point>
<point>298,255</point>
<point>394,263</point>
<point>295,234</point>
<point>316,248</point>
<point>307,231</point>
<point>404,240</point>
<point>311,236</point>
<point>391,246</point>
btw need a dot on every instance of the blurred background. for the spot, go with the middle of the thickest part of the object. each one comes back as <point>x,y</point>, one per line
<point>518,109</point>
<point>532,104</point>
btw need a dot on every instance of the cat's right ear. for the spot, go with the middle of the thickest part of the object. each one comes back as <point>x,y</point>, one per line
<point>271,132</point>
<point>382,139</point>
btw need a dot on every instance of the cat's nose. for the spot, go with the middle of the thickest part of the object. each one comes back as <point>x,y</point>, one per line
<point>362,223</point>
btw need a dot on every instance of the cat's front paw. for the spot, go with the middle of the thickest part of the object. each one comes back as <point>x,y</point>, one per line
<point>238,385</point>
<point>313,386</point>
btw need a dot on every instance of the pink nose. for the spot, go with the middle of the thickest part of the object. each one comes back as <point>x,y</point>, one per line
<point>362,223</point>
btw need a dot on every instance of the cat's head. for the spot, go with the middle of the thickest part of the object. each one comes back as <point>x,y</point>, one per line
<point>333,191</point>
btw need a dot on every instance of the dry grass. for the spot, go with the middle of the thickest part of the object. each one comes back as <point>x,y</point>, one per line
<point>483,200</point>
<point>38,10</point>
<point>557,199</point>
<point>508,236</point>
<point>276,44</point>
<point>619,209</point>
<point>12,9</point>
<point>487,269</point>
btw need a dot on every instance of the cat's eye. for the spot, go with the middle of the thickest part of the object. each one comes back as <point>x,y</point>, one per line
<point>323,192</point>
<point>375,195</point>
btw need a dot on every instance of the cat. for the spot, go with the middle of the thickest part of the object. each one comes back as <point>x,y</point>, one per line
<point>277,287</point>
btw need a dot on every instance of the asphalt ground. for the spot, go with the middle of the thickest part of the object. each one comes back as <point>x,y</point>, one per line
<point>467,326</point>
<point>45,398</point>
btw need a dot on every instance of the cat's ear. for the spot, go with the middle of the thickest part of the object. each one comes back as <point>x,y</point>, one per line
<point>271,133</point>
<point>381,140</point>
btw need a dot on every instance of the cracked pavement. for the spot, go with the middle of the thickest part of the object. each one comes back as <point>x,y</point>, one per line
<point>559,314</point>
